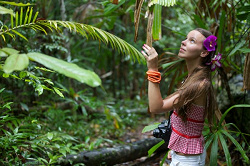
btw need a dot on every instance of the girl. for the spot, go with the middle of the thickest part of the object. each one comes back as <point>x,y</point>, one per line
<point>192,102</point>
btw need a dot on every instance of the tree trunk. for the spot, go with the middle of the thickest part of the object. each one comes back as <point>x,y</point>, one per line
<point>112,156</point>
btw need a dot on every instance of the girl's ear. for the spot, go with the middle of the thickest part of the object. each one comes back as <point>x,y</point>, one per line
<point>204,53</point>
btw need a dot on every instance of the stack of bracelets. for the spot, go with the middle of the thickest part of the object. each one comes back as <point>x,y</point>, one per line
<point>154,76</point>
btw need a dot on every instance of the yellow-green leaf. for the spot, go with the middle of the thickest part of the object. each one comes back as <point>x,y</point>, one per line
<point>16,62</point>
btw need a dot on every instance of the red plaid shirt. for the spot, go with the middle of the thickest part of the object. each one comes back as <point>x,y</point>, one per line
<point>187,136</point>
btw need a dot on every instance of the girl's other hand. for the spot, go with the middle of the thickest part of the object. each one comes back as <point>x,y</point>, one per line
<point>151,56</point>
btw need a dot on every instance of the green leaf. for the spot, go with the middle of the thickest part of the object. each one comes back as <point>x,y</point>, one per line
<point>68,69</point>
<point>244,50</point>
<point>4,10</point>
<point>50,136</point>
<point>3,54</point>
<point>214,151</point>
<point>225,148</point>
<point>164,158</point>
<point>153,149</point>
<point>166,65</point>
<point>10,51</point>
<point>15,4</point>
<point>241,150</point>
<point>236,48</point>
<point>19,34</point>
<point>150,127</point>
<point>199,21</point>
<point>209,141</point>
<point>39,89</point>
<point>163,2</point>
<point>1,90</point>
<point>16,62</point>
<point>17,19</point>
<point>58,92</point>
<point>229,109</point>
<point>156,29</point>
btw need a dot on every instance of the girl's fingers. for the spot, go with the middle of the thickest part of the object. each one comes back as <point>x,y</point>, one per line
<point>147,47</point>
<point>144,54</point>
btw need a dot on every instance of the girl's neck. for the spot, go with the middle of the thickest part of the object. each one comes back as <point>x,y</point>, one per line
<point>191,65</point>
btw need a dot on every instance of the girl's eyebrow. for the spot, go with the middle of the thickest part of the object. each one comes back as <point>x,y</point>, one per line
<point>191,37</point>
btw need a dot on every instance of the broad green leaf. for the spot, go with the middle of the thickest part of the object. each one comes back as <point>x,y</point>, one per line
<point>225,149</point>
<point>214,151</point>
<point>154,148</point>
<point>16,62</point>
<point>10,51</point>
<point>4,10</point>
<point>3,54</point>
<point>150,127</point>
<point>156,29</point>
<point>68,69</point>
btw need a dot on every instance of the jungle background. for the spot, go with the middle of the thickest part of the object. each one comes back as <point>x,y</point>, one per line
<point>49,113</point>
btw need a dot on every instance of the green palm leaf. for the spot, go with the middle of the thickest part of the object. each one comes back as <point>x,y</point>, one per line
<point>163,2</point>
<point>84,29</point>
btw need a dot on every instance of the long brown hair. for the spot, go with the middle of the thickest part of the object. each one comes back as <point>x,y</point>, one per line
<point>198,83</point>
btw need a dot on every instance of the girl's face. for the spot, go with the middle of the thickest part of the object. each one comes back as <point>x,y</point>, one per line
<point>192,46</point>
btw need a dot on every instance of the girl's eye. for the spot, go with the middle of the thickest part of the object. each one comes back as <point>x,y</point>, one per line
<point>192,41</point>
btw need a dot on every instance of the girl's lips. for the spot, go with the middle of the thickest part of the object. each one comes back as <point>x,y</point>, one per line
<point>182,50</point>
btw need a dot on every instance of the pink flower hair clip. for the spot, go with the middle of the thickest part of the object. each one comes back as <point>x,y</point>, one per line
<point>215,62</point>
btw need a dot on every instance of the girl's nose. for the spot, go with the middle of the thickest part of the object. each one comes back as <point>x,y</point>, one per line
<point>183,42</point>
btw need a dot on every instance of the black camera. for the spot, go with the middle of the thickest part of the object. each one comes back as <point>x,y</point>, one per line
<point>163,131</point>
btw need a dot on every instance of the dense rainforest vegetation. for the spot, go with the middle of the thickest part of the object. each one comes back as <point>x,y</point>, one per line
<point>73,78</point>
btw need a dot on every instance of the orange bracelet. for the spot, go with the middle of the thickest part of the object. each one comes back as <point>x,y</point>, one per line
<point>154,76</point>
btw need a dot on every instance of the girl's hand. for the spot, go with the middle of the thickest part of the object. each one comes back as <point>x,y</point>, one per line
<point>169,155</point>
<point>151,56</point>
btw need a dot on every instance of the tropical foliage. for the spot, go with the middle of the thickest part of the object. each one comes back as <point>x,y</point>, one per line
<point>45,114</point>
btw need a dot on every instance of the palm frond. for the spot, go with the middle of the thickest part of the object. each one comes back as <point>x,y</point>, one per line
<point>15,4</point>
<point>29,20</point>
<point>163,2</point>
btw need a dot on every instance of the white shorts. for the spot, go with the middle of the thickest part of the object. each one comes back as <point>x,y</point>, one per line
<point>179,160</point>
